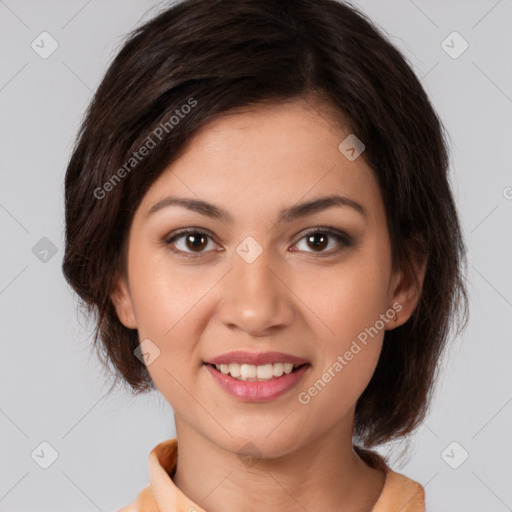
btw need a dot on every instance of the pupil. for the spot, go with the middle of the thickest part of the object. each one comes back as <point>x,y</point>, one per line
<point>320,245</point>
<point>196,240</point>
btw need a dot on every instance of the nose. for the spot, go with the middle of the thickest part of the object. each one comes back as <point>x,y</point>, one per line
<point>255,297</point>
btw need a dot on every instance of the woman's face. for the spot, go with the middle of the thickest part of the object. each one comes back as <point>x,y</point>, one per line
<point>250,278</point>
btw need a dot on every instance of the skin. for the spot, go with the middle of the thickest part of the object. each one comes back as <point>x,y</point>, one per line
<point>294,298</point>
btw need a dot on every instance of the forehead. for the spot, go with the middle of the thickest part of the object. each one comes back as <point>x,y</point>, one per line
<point>266,158</point>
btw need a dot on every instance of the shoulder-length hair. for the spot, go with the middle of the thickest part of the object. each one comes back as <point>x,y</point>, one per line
<point>199,59</point>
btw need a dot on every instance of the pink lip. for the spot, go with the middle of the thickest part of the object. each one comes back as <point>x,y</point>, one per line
<point>254,391</point>
<point>256,358</point>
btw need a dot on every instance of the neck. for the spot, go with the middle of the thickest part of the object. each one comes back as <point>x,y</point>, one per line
<point>321,474</point>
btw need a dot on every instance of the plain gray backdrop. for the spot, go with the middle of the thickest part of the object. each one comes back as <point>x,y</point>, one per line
<point>53,392</point>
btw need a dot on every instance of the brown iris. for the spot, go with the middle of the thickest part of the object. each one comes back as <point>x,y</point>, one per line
<point>196,241</point>
<point>318,245</point>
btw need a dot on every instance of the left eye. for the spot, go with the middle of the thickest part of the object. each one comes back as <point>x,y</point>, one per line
<point>196,241</point>
<point>319,239</point>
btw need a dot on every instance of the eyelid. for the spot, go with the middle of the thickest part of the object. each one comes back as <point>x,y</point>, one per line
<point>336,233</point>
<point>184,231</point>
<point>169,239</point>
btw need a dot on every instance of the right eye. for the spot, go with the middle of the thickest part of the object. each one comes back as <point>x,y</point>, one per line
<point>194,241</point>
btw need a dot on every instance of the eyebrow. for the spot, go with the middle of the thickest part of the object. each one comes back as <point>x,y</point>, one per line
<point>289,214</point>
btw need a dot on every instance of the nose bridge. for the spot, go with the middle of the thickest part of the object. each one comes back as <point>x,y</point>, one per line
<point>253,297</point>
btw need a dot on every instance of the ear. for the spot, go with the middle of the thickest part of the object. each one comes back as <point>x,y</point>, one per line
<point>122,300</point>
<point>405,292</point>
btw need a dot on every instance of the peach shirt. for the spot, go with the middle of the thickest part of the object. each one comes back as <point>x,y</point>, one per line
<point>399,494</point>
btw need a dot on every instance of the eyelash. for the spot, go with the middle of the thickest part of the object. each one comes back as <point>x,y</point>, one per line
<point>340,237</point>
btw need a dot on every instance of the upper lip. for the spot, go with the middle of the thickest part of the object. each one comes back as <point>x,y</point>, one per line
<point>256,358</point>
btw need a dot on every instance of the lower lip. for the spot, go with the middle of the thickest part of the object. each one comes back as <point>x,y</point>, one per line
<point>254,391</point>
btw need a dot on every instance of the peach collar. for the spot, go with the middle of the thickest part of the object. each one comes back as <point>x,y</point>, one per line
<point>399,492</point>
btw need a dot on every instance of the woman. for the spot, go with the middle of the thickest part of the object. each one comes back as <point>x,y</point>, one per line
<point>258,210</point>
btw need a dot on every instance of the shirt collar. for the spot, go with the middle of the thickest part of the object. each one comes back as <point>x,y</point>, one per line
<point>399,492</point>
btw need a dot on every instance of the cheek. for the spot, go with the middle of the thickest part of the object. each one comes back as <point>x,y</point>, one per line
<point>348,355</point>
<point>171,307</point>
<point>346,298</point>
<point>163,293</point>
<point>347,302</point>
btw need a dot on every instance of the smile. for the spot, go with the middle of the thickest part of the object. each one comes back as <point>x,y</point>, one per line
<point>249,388</point>
<point>257,373</point>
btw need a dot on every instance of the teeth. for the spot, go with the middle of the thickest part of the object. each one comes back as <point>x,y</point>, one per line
<point>250,372</point>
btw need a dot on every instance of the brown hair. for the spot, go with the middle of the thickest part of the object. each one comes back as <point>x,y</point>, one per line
<point>219,56</point>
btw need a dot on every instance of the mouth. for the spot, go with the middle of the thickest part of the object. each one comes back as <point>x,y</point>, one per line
<point>256,373</point>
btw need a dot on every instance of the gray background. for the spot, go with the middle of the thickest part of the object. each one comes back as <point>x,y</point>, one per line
<point>52,390</point>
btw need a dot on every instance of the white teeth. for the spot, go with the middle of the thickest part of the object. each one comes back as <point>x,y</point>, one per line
<point>247,371</point>
<point>278,369</point>
<point>250,372</point>
<point>234,369</point>
<point>265,371</point>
